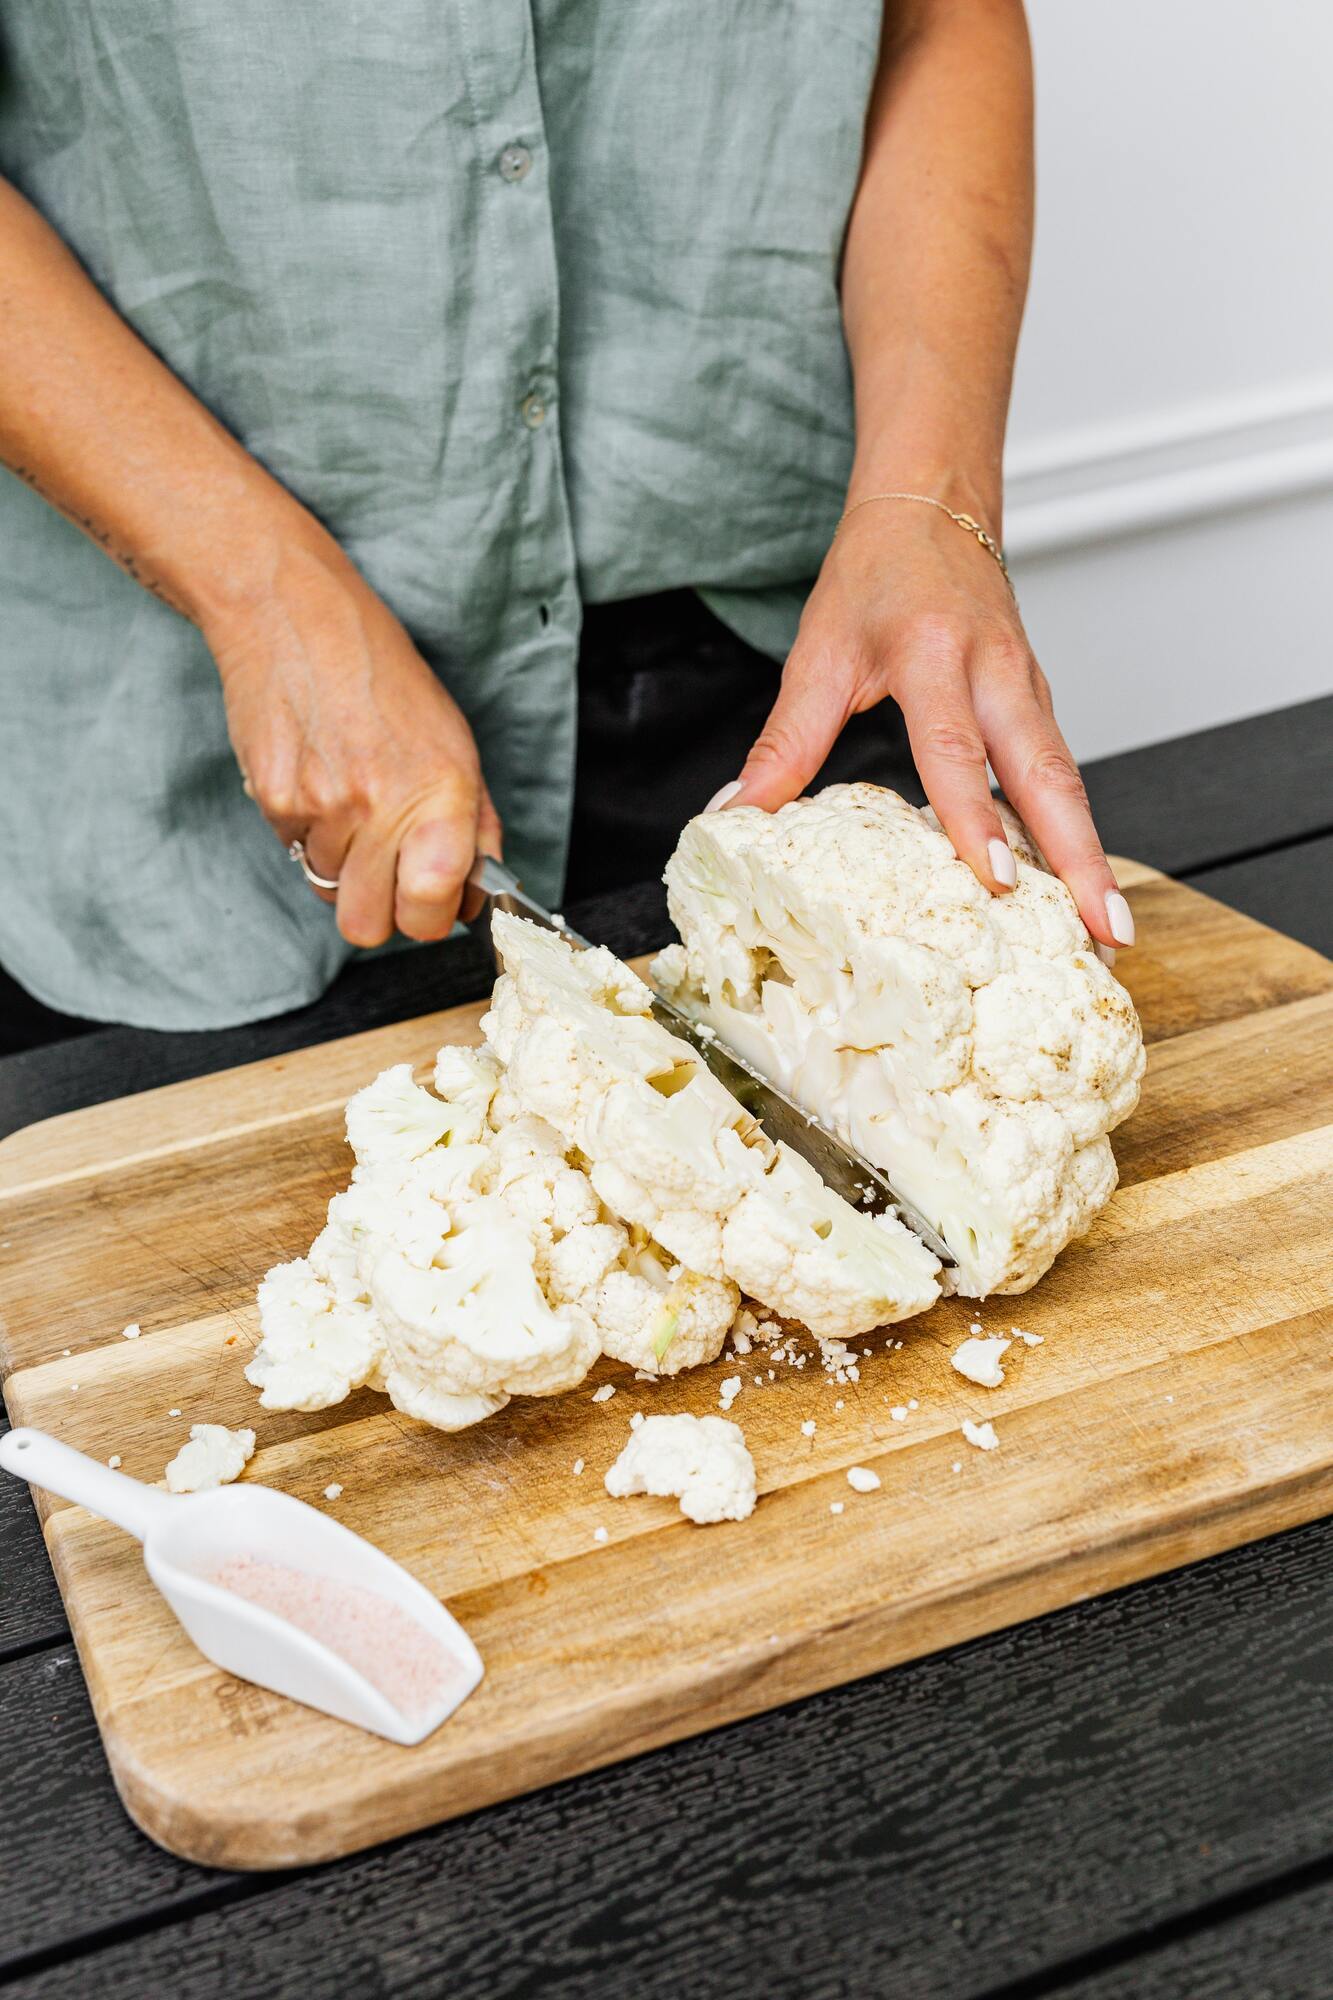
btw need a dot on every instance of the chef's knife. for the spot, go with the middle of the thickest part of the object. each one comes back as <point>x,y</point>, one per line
<point>838,1165</point>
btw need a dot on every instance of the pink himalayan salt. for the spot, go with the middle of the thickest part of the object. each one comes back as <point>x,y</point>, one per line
<point>382,1642</point>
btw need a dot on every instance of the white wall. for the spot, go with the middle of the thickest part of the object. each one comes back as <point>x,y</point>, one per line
<point>1170,503</point>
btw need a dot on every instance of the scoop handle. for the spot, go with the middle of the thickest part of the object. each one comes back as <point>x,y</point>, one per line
<point>44,1461</point>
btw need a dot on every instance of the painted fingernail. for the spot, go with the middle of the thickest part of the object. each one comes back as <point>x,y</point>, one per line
<point>1119,918</point>
<point>1002,864</point>
<point>1106,953</point>
<point>724,797</point>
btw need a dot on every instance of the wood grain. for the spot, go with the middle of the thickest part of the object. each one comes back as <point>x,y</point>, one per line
<point>1177,1406</point>
<point>1120,1765</point>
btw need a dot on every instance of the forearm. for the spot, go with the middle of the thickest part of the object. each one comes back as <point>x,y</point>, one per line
<point>938,244</point>
<point>95,423</point>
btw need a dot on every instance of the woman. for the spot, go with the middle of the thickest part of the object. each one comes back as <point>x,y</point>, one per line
<point>452,387</point>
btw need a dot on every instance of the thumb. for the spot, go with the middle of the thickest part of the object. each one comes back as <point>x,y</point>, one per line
<point>802,728</point>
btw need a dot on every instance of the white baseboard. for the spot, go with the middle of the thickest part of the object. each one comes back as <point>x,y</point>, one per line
<point>1099,484</point>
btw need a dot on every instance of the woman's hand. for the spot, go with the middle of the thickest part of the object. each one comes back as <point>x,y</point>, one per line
<point>348,742</point>
<point>909,607</point>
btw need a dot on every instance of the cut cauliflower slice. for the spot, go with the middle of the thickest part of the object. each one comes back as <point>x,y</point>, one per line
<point>972,1045</point>
<point>669,1149</point>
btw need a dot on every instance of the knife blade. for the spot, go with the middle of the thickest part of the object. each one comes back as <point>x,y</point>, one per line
<point>838,1164</point>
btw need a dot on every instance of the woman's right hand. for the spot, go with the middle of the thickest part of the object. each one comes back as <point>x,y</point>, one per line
<point>347,741</point>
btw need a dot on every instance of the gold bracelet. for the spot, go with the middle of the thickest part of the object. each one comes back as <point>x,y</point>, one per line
<point>988,542</point>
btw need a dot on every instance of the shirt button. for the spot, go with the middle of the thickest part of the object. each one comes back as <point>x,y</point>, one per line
<point>514,163</point>
<point>534,411</point>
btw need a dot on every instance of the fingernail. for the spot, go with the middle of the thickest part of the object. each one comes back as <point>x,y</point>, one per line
<point>1002,864</point>
<point>1106,953</point>
<point>724,797</point>
<point>1119,918</point>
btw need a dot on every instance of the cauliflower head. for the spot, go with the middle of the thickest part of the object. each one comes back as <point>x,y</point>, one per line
<point>973,1046</point>
<point>668,1148</point>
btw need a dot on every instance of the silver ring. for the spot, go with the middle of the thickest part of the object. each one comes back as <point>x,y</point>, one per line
<point>297,853</point>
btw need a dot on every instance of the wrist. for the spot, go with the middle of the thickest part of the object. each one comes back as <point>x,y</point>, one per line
<point>272,552</point>
<point>958,486</point>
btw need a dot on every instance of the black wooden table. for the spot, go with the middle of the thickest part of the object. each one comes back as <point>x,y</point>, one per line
<point>1130,1797</point>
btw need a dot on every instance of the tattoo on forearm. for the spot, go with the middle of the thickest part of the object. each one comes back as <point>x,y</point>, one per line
<point>104,539</point>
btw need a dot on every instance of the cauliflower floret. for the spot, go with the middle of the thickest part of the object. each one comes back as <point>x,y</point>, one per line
<point>394,1120</point>
<point>661,1317</point>
<point>669,1148</point>
<point>973,1046</point>
<point>475,1322</point>
<point>467,1080</point>
<point>317,1345</point>
<point>701,1461</point>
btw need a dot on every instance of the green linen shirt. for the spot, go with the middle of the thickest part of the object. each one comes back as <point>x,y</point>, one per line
<point>533,302</point>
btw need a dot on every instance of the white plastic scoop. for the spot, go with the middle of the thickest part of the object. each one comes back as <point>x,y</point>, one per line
<point>187,1538</point>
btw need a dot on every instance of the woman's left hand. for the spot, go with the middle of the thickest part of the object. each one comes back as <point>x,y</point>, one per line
<point>910,608</point>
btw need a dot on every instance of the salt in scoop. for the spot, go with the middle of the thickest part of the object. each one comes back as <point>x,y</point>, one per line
<point>269,1542</point>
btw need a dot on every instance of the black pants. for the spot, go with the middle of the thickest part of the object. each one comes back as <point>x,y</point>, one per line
<point>670,702</point>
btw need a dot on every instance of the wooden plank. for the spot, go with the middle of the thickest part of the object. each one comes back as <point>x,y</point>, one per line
<point>1293,889</point>
<point>31,1613</point>
<point>1198,799</point>
<point>1178,1404</point>
<point>1121,1765</point>
<point>1281,1946</point>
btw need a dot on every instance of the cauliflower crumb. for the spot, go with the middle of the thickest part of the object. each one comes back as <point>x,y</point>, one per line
<point>132,1331</point>
<point>114,1461</point>
<point>605,1393</point>
<point>957,1465</point>
<point>578,1466</point>
<point>1030,1339</point>
<point>731,1388</point>
<point>840,1405</point>
<point>600,1535</point>
<point>213,1457</point>
<point>333,1492</point>
<point>979,1361</point>
<point>808,1428</point>
<point>899,1413</point>
<point>862,1480</point>
<point>170,1413</point>
<point>701,1461</point>
<point>636,1420</point>
<point>981,1435</point>
<point>835,1507</point>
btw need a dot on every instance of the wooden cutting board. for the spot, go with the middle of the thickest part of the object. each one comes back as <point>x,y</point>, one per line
<point>1181,1402</point>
